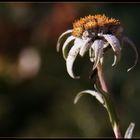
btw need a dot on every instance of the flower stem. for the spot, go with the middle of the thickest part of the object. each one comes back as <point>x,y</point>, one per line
<point>108,101</point>
<point>102,78</point>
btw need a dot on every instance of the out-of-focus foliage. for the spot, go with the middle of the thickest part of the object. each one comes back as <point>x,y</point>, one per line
<point>36,93</point>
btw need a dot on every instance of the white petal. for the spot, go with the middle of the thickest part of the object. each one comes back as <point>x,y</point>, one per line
<point>106,45</point>
<point>71,58</point>
<point>60,39</point>
<point>101,60</point>
<point>97,95</point>
<point>127,40</point>
<point>91,55</point>
<point>117,58</point>
<point>129,131</point>
<point>65,46</point>
<point>115,44</point>
<point>113,41</point>
<point>97,46</point>
<point>85,47</point>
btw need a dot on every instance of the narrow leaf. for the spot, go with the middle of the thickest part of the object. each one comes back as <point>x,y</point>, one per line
<point>129,131</point>
<point>97,95</point>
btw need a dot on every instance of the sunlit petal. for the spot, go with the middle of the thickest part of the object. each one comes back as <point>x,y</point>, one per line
<point>127,40</point>
<point>91,55</point>
<point>117,58</point>
<point>97,46</point>
<point>106,45</point>
<point>60,39</point>
<point>65,46</point>
<point>71,58</point>
<point>115,44</point>
<point>101,60</point>
<point>85,47</point>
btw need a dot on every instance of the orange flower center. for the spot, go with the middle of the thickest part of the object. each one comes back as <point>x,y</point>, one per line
<point>96,24</point>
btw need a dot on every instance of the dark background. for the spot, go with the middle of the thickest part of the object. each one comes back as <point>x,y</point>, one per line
<point>36,92</point>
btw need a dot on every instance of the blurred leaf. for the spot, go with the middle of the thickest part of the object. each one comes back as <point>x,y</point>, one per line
<point>97,95</point>
<point>129,131</point>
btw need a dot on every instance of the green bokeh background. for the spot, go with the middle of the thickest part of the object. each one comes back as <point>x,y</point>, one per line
<point>42,105</point>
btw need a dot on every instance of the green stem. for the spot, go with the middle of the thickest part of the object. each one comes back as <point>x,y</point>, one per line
<point>108,102</point>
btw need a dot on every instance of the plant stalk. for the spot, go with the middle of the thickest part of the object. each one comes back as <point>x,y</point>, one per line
<point>108,101</point>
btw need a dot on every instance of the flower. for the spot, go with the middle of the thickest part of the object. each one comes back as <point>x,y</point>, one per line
<point>95,34</point>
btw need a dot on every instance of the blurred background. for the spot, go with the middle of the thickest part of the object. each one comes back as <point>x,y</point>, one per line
<point>36,93</point>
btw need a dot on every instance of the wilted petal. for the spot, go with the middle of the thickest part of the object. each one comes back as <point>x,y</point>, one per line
<point>101,60</point>
<point>97,95</point>
<point>129,131</point>
<point>91,55</point>
<point>117,58</point>
<point>85,47</point>
<point>106,45</point>
<point>65,46</point>
<point>115,44</point>
<point>97,46</point>
<point>71,58</point>
<point>60,39</point>
<point>127,40</point>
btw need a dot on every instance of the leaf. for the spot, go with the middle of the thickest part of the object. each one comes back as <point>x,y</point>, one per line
<point>97,95</point>
<point>129,131</point>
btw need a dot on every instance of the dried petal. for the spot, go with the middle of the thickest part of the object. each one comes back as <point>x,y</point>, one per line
<point>97,46</point>
<point>129,131</point>
<point>106,45</point>
<point>85,47</point>
<point>97,95</point>
<point>60,39</point>
<point>117,58</point>
<point>72,56</point>
<point>115,44</point>
<point>101,60</point>
<point>91,55</point>
<point>127,40</point>
<point>65,46</point>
